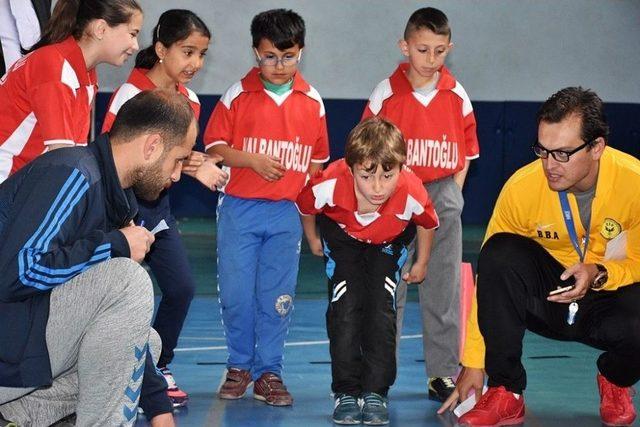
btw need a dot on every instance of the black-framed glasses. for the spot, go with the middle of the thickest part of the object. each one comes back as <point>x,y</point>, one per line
<point>561,156</point>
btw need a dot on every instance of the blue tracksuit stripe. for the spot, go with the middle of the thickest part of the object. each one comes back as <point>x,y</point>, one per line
<point>100,254</point>
<point>64,191</point>
<point>76,192</point>
<point>42,277</point>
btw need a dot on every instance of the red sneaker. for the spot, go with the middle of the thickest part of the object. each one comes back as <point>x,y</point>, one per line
<point>497,407</point>
<point>270,389</point>
<point>178,397</point>
<point>616,404</point>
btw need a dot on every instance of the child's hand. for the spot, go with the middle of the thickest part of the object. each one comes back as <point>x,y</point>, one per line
<point>416,274</point>
<point>193,162</point>
<point>315,244</point>
<point>268,167</point>
<point>210,175</point>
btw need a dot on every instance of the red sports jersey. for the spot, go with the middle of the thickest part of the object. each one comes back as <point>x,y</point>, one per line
<point>332,193</point>
<point>291,126</point>
<point>45,98</point>
<point>136,83</point>
<point>440,129</point>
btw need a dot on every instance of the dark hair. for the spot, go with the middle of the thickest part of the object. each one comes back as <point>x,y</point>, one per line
<point>428,18</point>
<point>70,18</point>
<point>584,103</point>
<point>378,141</point>
<point>282,27</point>
<point>153,111</point>
<point>173,26</point>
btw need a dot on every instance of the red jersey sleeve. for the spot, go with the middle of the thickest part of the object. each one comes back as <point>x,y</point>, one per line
<point>472,148</point>
<point>471,137</point>
<point>321,147</point>
<point>53,105</point>
<point>219,128</point>
<point>424,213</point>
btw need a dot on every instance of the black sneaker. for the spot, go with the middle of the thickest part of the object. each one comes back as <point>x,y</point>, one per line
<point>440,388</point>
<point>374,409</point>
<point>347,410</point>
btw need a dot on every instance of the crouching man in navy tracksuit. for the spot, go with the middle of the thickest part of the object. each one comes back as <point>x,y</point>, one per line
<point>75,305</point>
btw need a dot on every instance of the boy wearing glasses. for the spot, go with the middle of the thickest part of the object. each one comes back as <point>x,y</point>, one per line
<point>436,118</point>
<point>270,128</point>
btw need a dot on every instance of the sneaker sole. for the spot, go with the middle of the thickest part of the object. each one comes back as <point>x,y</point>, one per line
<point>180,404</point>
<point>510,422</point>
<point>376,423</point>
<point>346,422</point>
<point>233,396</point>
<point>264,399</point>
<point>618,424</point>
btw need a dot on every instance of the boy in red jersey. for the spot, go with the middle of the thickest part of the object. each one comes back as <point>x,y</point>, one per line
<point>435,116</point>
<point>369,205</point>
<point>270,128</point>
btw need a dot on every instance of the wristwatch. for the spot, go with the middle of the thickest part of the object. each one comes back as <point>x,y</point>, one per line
<point>601,277</point>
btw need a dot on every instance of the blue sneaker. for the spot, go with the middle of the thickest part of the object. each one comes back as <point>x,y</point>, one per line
<point>374,409</point>
<point>347,410</point>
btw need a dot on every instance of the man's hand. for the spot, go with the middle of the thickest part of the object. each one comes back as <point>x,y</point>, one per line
<point>139,239</point>
<point>583,275</point>
<point>268,167</point>
<point>193,162</point>
<point>210,175</point>
<point>163,420</point>
<point>416,274</point>
<point>469,379</point>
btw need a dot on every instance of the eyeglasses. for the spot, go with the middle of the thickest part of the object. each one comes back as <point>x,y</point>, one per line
<point>270,60</point>
<point>559,155</point>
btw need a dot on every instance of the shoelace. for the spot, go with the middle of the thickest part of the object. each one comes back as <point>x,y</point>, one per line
<point>346,400</point>
<point>373,400</point>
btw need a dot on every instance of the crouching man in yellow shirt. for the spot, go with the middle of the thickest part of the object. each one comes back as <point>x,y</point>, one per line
<point>570,223</point>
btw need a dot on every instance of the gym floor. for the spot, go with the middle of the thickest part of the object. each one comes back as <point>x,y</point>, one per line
<point>561,389</point>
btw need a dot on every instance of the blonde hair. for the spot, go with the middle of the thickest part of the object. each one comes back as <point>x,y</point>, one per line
<point>377,141</point>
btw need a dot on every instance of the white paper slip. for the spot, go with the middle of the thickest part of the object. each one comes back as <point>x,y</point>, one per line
<point>162,225</point>
<point>467,404</point>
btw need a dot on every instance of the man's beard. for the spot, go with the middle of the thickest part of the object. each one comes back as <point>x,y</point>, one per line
<point>148,182</point>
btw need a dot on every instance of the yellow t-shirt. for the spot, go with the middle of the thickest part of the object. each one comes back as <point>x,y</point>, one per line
<point>528,207</point>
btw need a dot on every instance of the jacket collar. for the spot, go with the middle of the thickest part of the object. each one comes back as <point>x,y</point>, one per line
<point>121,205</point>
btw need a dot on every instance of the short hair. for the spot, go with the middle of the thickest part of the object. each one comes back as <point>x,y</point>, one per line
<point>584,103</point>
<point>282,27</point>
<point>161,111</point>
<point>378,141</point>
<point>428,18</point>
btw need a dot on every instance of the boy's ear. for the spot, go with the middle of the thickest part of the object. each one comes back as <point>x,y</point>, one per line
<point>450,47</point>
<point>404,47</point>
